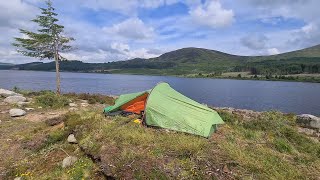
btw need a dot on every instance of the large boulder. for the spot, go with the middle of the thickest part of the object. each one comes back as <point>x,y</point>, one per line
<point>7,93</point>
<point>15,99</point>
<point>16,112</point>
<point>308,121</point>
<point>69,161</point>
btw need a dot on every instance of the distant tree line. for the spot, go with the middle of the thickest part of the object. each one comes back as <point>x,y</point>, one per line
<point>283,67</point>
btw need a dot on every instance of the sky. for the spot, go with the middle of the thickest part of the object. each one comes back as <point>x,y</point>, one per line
<point>114,30</point>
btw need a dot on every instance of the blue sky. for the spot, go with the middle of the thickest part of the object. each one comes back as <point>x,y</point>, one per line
<point>109,30</point>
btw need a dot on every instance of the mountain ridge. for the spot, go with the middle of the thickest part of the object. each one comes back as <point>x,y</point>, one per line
<point>192,60</point>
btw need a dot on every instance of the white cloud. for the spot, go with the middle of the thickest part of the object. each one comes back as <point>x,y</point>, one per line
<point>15,13</point>
<point>307,35</point>
<point>254,41</point>
<point>132,28</point>
<point>212,14</point>
<point>137,53</point>
<point>121,51</point>
<point>273,51</point>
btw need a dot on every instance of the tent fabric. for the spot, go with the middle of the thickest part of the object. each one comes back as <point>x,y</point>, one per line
<point>166,108</point>
<point>136,105</point>
<point>169,109</point>
<point>123,99</point>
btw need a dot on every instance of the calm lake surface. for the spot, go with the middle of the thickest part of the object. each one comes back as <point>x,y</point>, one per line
<point>296,97</point>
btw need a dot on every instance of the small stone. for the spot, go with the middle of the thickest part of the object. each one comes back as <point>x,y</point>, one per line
<point>69,161</point>
<point>22,103</point>
<point>14,99</point>
<point>16,112</point>
<point>84,101</point>
<point>73,105</point>
<point>39,107</point>
<point>72,139</point>
<point>73,109</point>
<point>18,178</point>
<point>29,109</point>
<point>84,104</point>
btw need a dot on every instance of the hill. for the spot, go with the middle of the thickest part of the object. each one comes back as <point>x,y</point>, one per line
<point>188,61</point>
<point>5,65</point>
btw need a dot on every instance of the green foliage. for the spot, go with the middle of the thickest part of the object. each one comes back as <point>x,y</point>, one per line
<point>282,145</point>
<point>48,41</point>
<point>80,169</point>
<point>228,117</point>
<point>92,98</point>
<point>56,136</point>
<point>51,100</point>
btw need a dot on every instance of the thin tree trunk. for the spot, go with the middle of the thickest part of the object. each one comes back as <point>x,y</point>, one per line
<point>56,58</point>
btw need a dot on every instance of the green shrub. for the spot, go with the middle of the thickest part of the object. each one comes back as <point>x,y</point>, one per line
<point>56,136</point>
<point>92,98</point>
<point>282,145</point>
<point>270,121</point>
<point>229,117</point>
<point>51,100</point>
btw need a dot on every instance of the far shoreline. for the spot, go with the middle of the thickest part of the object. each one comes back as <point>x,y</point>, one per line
<point>187,76</point>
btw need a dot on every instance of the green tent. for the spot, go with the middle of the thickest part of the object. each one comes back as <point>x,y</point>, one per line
<point>167,108</point>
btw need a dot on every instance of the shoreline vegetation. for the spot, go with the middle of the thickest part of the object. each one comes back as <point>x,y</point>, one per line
<point>311,78</point>
<point>70,133</point>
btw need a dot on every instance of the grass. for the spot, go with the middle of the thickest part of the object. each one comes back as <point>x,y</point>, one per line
<point>51,100</point>
<point>266,147</point>
<point>263,148</point>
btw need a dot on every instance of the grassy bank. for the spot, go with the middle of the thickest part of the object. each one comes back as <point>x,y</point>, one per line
<point>264,146</point>
<point>313,78</point>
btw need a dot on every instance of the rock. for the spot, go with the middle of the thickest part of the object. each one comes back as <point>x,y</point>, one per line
<point>84,104</point>
<point>73,105</point>
<point>73,109</point>
<point>72,139</point>
<point>29,109</point>
<point>308,121</point>
<point>69,161</point>
<point>84,101</point>
<point>7,93</point>
<point>16,112</point>
<point>14,99</point>
<point>39,107</point>
<point>18,178</point>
